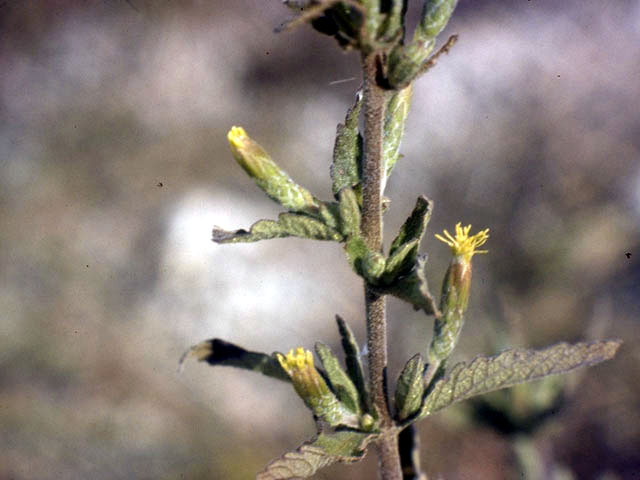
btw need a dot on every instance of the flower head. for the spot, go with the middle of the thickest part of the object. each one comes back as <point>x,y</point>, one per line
<point>306,380</point>
<point>267,174</point>
<point>455,290</point>
<point>251,156</point>
<point>313,389</point>
<point>463,244</point>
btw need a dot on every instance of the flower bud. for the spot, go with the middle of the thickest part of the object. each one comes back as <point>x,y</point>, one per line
<point>267,175</point>
<point>367,422</point>
<point>455,290</point>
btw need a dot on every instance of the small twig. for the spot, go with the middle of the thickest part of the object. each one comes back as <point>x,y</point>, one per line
<point>314,12</point>
<point>429,64</point>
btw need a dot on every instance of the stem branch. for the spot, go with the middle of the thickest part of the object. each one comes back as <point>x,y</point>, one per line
<point>373,171</point>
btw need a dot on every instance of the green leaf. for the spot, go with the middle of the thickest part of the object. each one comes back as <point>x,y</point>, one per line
<point>325,450</point>
<point>329,213</point>
<point>401,262</point>
<point>415,226</point>
<point>406,61</point>
<point>347,151</point>
<point>373,266</point>
<point>287,225</point>
<point>486,374</point>
<point>353,362</point>
<point>393,25</point>
<point>413,288</point>
<point>368,264</point>
<point>410,388</point>
<point>339,381</point>
<point>219,352</point>
<point>372,22</point>
<point>394,121</point>
<point>364,261</point>
<point>435,16</point>
<point>356,250</point>
<point>404,248</point>
<point>349,213</point>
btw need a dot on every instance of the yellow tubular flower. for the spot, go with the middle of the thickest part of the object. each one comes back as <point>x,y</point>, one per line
<point>306,380</point>
<point>463,244</point>
<point>237,136</point>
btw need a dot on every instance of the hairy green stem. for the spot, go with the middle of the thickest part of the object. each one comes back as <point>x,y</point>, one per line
<point>373,172</point>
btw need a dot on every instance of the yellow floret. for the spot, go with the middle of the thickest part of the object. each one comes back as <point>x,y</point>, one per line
<point>463,244</point>
<point>237,136</point>
<point>296,360</point>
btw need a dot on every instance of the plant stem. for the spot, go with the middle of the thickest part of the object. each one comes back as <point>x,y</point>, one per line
<point>373,172</point>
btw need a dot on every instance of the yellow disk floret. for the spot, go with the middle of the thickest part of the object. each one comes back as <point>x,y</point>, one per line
<point>463,244</point>
<point>306,380</point>
<point>297,360</point>
<point>237,136</point>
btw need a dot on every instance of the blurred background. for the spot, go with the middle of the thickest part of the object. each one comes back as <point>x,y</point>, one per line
<point>114,167</point>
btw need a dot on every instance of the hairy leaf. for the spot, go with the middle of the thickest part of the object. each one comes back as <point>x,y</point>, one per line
<point>349,213</point>
<point>400,262</point>
<point>329,213</point>
<point>372,20</point>
<point>356,250</point>
<point>395,118</point>
<point>393,24</point>
<point>410,388</point>
<point>413,288</point>
<point>226,354</point>
<point>287,225</point>
<point>373,266</point>
<point>326,449</point>
<point>485,374</point>
<point>364,261</point>
<point>404,248</point>
<point>347,151</point>
<point>352,360</point>
<point>406,61</point>
<point>339,381</point>
<point>415,225</point>
<point>435,16</point>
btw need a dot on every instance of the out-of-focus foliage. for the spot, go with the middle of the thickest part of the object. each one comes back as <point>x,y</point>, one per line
<point>114,166</point>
